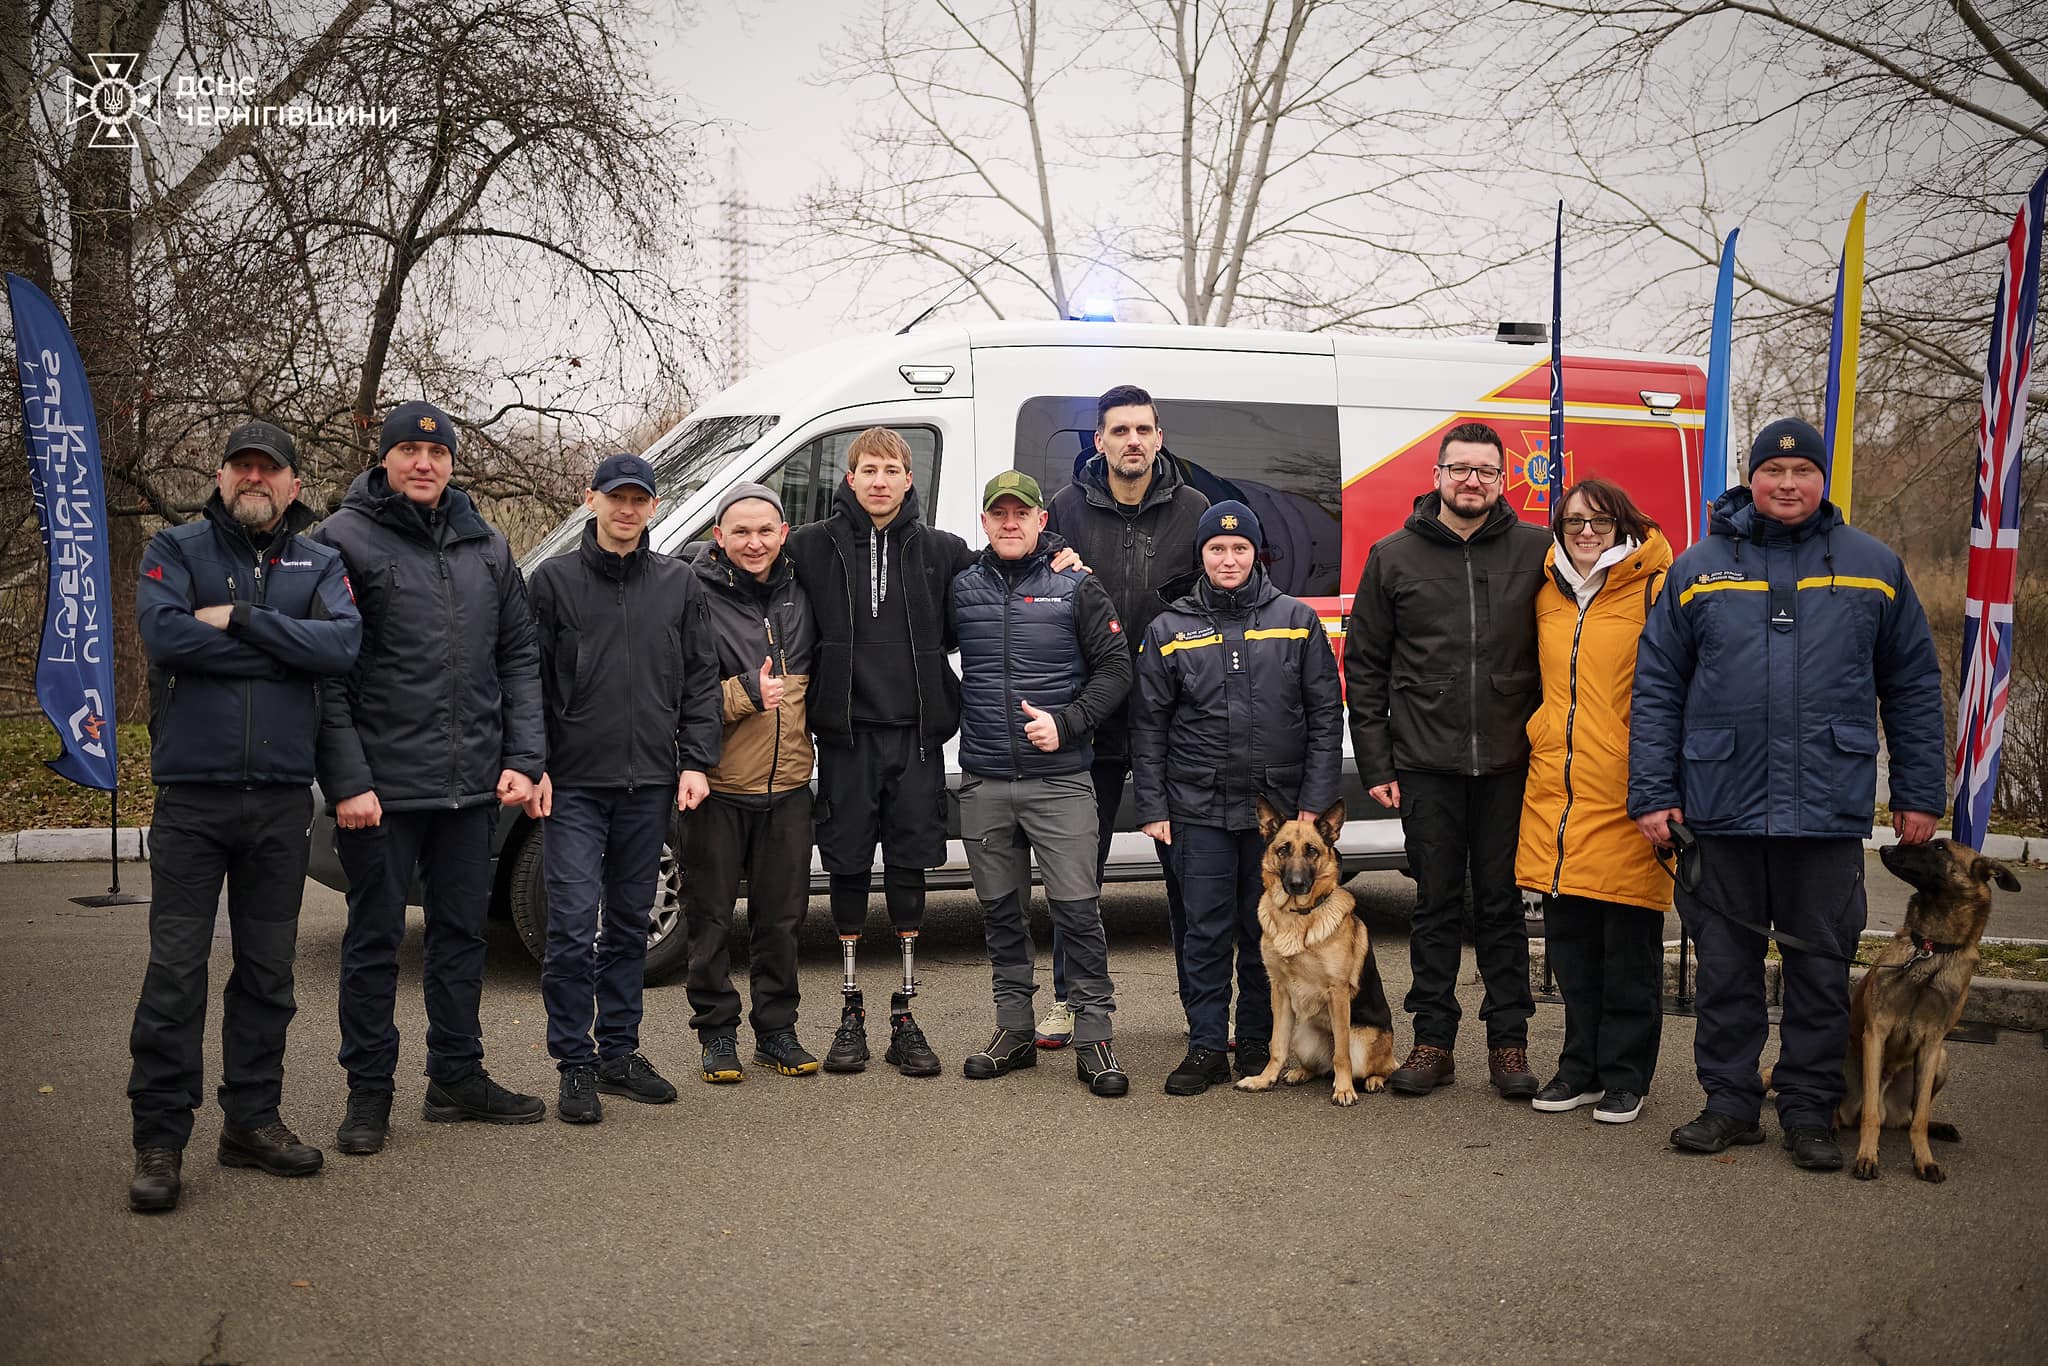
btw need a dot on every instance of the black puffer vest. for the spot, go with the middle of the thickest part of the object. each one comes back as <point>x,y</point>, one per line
<point>1019,642</point>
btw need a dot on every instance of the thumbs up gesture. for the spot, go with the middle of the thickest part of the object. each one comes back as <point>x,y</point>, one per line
<point>771,686</point>
<point>1040,729</point>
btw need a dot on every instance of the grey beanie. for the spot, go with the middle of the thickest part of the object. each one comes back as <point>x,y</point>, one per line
<point>739,493</point>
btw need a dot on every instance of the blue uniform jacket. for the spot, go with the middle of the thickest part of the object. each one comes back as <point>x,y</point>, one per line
<point>1237,698</point>
<point>241,706</point>
<point>1763,671</point>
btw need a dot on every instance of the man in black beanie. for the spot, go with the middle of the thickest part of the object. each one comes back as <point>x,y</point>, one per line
<point>1782,639</point>
<point>439,725</point>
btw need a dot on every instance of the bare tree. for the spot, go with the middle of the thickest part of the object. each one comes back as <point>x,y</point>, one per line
<point>1276,160</point>
<point>479,208</point>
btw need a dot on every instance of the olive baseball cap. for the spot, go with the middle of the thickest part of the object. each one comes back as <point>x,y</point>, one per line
<point>1012,484</point>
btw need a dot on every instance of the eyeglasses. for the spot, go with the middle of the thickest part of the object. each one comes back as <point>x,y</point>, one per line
<point>1574,525</point>
<point>1485,474</point>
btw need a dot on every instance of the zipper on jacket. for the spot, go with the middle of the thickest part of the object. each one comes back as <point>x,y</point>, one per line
<point>1009,696</point>
<point>910,627</point>
<point>782,663</point>
<point>626,639</point>
<point>1472,610</point>
<point>1571,716</point>
<point>454,700</point>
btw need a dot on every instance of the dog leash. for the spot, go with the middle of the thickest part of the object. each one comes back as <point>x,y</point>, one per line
<point>1682,862</point>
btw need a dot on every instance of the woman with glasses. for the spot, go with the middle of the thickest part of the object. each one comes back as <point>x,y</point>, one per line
<point>1603,892</point>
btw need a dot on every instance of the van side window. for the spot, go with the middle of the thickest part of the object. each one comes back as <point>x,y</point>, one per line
<point>808,479</point>
<point>1279,459</point>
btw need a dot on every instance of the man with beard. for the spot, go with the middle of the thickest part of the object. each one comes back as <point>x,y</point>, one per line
<point>1440,672</point>
<point>241,618</point>
<point>440,724</point>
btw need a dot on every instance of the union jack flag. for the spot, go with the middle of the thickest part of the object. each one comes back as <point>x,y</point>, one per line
<point>1995,526</point>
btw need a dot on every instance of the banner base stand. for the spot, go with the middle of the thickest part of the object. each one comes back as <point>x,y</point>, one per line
<point>111,899</point>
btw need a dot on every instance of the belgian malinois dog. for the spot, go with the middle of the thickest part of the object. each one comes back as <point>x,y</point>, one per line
<point>1319,958</point>
<point>1912,996</point>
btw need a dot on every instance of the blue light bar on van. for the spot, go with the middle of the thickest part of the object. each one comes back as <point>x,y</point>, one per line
<point>1098,311</point>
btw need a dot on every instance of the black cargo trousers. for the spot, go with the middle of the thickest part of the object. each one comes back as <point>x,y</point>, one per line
<point>255,839</point>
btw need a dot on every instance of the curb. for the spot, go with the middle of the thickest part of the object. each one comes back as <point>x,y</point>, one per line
<point>72,846</point>
<point>2021,1006</point>
<point>2008,847</point>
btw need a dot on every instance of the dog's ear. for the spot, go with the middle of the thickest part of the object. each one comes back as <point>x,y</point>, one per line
<point>1991,870</point>
<point>1269,819</point>
<point>1331,823</point>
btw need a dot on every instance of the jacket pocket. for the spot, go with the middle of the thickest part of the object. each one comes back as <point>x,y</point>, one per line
<point>568,678</point>
<point>1850,768</point>
<point>1429,717</point>
<point>1711,782</point>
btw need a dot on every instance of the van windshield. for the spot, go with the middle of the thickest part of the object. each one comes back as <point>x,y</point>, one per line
<point>683,460</point>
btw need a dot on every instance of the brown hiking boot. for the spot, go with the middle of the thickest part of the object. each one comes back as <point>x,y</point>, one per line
<point>1427,1068</point>
<point>1508,1070</point>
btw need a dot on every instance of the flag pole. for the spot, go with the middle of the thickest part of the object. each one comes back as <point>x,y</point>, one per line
<point>1843,342</point>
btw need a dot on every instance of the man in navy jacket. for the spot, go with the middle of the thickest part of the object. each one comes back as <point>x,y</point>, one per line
<point>241,618</point>
<point>1778,645</point>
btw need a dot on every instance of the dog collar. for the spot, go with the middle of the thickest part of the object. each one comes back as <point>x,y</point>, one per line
<point>1930,947</point>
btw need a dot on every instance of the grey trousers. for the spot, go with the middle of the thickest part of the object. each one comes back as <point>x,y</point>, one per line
<point>1003,823</point>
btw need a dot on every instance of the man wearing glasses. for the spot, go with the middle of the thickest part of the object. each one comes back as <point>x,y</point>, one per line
<point>1440,672</point>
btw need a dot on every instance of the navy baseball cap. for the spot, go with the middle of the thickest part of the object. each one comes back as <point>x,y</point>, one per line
<point>267,437</point>
<point>617,471</point>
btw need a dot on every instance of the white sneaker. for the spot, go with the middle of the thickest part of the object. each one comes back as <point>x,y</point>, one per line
<point>1056,1030</point>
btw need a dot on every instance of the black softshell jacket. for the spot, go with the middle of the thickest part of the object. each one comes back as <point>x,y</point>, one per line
<point>628,664</point>
<point>445,694</point>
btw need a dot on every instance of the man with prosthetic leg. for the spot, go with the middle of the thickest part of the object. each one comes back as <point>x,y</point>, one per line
<point>883,701</point>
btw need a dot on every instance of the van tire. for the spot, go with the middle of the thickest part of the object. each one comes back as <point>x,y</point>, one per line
<point>667,945</point>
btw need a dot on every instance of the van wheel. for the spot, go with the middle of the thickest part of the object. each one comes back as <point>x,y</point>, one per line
<point>667,945</point>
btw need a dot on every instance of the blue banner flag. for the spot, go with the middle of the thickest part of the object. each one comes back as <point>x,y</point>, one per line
<point>1715,472</point>
<point>75,666</point>
<point>1556,462</point>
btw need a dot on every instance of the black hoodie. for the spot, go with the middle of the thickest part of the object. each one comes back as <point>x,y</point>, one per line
<point>841,563</point>
<point>446,692</point>
<point>1132,550</point>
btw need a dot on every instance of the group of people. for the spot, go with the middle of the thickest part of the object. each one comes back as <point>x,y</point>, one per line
<point>1121,631</point>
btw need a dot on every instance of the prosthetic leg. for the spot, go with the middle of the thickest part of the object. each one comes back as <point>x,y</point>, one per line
<point>908,1051</point>
<point>849,1051</point>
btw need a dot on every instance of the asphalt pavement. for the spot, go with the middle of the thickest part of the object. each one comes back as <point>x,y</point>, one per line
<point>880,1218</point>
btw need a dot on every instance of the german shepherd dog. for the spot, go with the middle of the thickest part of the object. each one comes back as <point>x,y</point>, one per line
<point>1319,959</point>
<point>1913,995</point>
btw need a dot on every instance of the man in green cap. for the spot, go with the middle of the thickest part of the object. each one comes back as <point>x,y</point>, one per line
<point>1042,663</point>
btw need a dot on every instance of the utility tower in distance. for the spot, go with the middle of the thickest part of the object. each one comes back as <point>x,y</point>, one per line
<point>733,235</point>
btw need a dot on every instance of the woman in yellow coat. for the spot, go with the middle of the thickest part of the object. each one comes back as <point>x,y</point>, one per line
<point>1603,892</point>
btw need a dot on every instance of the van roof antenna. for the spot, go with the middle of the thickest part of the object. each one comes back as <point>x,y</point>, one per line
<point>965,281</point>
